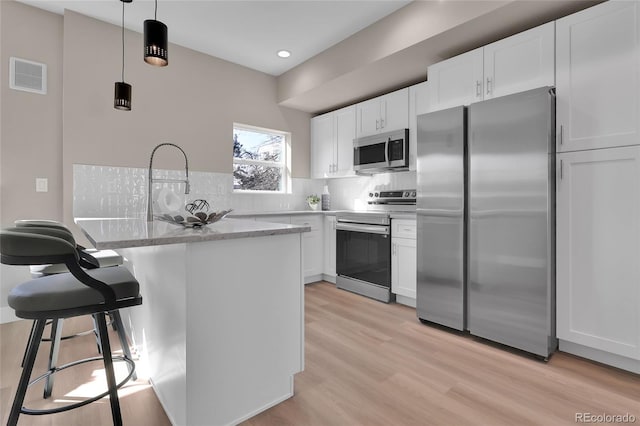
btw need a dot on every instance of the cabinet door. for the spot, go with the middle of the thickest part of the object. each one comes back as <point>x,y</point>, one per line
<point>456,81</point>
<point>418,104</point>
<point>330,246</point>
<point>368,117</point>
<point>598,68</point>
<point>395,111</point>
<point>322,142</point>
<point>312,260</point>
<point>403,267</point>
<point>598,247</point>
<point>521,62</point>
<point>345,131</point>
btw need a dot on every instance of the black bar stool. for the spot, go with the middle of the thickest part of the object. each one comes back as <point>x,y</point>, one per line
<point>79,292</point>
<point>89,259</point>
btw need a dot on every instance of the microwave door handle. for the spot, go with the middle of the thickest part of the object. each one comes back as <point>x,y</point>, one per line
<point>386,151</point>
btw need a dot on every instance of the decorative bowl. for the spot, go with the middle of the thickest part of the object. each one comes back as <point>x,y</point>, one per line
<point>196,221</point>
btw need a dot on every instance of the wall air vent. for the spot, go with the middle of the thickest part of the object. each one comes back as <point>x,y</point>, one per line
<point>28,76</point>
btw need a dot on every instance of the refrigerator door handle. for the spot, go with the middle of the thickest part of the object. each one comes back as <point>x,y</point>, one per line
<point>439,213</point>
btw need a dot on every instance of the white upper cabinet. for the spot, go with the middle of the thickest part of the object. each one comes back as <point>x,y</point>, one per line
<point>520,62</point>
<point>517,63</point>
<point>418,104</point>
<point>456,81</point>
<point>598,247</point>
<point>597,77</point>
<point>322,144</point>
<point>345,131</point>
<point>383,114</point>
<point>332,137</point>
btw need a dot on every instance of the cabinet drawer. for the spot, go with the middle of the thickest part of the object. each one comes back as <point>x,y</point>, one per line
<point>273,219</point>
<point>314,221</point>
<point>403,228</point>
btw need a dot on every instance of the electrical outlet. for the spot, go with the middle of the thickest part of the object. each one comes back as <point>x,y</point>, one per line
<point>42,185</point>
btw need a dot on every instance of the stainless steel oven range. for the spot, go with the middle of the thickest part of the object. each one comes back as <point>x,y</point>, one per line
<point>363,254</point>
<point>363,250</point>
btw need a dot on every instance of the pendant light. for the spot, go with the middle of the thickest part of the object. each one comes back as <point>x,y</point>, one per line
<point>122,96</point>
<point>156,51</point>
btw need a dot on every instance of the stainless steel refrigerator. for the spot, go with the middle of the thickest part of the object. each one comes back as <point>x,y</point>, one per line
<point>486,190</point>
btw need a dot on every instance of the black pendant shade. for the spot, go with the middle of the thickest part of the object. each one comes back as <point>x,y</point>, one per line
<point>122,91</point>
<point>122,96</point>
<point>155,43</point>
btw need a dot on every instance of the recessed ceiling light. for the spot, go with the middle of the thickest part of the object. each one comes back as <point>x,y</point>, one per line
<point>284,53</point>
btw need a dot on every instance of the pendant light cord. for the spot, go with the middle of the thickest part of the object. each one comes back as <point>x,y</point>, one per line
<point>155,14</point>
<point>123,42</point>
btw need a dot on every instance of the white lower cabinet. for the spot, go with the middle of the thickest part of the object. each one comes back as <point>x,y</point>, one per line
<point>403,260</point>
<point>312,260</point>
<point>330,248</point>
<point>598,253</point>
<point>313,245</point>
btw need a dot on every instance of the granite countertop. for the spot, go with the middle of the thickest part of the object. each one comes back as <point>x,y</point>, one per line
<point>123,233</point>
<point>237,213</point>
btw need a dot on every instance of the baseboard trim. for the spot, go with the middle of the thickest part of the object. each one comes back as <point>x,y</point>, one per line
<point>329,278</point>
<point>312,279</point>
<point>603,357</point>
<point>7,314</point>
<point>408,301</point>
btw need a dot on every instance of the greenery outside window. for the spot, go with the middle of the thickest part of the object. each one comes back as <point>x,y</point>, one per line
<point>260,160</point>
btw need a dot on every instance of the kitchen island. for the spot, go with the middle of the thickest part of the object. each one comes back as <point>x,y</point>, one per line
<point>221,327</point>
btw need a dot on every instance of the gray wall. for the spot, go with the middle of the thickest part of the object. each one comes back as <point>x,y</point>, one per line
<point>193,102</point>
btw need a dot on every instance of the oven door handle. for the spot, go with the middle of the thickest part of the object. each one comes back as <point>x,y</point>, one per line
<point>370,229</point>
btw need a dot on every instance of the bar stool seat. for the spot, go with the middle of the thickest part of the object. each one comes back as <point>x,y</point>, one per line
<point>62,292</point>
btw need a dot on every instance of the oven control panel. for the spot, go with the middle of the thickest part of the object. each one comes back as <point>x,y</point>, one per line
<point>396,197</point>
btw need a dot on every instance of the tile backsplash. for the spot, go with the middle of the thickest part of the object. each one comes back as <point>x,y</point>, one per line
<point>105,191</point>
<point>352,193</point>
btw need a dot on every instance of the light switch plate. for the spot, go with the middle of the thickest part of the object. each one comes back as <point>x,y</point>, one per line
<point>42,185</point>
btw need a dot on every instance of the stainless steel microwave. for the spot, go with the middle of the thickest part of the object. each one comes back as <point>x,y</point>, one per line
<point>383,152</point>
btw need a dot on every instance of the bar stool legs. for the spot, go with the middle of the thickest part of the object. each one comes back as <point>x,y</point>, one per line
<point>56,327</point>
<point>108,367</point>
<point>26,372</point>
<point>122,335</point>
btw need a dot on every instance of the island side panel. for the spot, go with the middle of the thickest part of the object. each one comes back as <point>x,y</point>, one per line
<point>157,327</point>
<point>245,326</point>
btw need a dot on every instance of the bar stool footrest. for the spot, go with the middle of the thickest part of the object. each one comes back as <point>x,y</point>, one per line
<point>32,412</point>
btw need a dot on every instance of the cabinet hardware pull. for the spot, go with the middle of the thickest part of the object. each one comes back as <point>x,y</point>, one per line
<point>488,85</point>
<point>561,169</point>
<point>377,124</point>
<point>394,248</point>
<point>561,135</point>
<point>382,123</point>
<point>478,88</point>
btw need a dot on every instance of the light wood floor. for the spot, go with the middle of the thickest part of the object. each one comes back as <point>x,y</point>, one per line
<point>138,402</point>
<point>368,363</point>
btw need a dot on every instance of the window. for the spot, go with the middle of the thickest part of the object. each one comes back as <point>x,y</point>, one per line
<point>260,160</point>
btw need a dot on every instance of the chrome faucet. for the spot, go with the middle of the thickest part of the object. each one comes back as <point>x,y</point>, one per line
<point>152,179</point>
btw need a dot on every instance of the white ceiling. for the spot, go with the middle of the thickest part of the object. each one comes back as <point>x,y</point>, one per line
<point>245,32</point>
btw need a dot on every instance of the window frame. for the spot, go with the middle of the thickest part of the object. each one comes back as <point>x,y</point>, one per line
<point>284,164</point>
